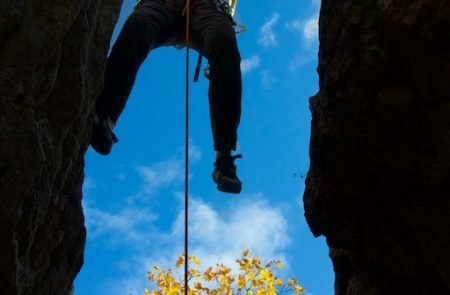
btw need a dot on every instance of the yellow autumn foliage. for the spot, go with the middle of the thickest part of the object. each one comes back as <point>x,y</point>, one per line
<point>253,278</point>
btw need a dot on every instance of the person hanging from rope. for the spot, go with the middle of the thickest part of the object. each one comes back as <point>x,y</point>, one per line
<point>155,23</point>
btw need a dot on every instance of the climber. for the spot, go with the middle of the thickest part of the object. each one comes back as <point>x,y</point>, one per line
<point>154,23</point>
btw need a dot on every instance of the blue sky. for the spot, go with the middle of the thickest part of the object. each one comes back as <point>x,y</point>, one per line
<point>133,198</point>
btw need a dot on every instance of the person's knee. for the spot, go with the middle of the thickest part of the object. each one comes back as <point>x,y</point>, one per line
<point>134,25</point>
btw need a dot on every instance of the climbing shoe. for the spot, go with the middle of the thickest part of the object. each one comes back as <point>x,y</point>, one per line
<point>224,174</point>
<point>102,137</point>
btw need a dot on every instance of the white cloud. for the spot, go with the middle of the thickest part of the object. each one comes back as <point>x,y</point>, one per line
<point>308,31</point>
<point>299,60</point>
<point>131,222</point>
<point>308,27</point>
<point>249,64</point>
<point>267,36</point>
<point>169,172</point>
<point>129,225</point>
<point>215,236</point>
<point>194,152</point>
<point>161,175</point>
<point>311,29</point>
<point>88,185</point>
<point>250,225</point>
<point>267,79</point>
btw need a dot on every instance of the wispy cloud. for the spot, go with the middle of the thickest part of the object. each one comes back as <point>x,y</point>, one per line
<point>299,60</point>
<point>254,225</point>
<point>131,222</point>
<point>308,31</point>
<point>194,152</point>
<point>307,27</point>
<point>161,175</point>
<point>168,172</point>
<point>88,185</point>
<point>267,79</point>
<point>129,225</point>
<point>249,64</point>
<point>267,36</point>
<point>215,236</point>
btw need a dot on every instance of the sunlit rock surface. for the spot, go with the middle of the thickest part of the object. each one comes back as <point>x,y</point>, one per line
<point>379,184</point>
<point>52,56</point>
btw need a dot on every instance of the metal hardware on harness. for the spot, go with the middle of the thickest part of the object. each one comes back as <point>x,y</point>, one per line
<point>224,6</point>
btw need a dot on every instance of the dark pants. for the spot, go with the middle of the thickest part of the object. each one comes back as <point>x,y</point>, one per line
<point>154,23</point>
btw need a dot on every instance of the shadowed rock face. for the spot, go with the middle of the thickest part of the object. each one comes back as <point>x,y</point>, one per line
<point>379,182</point>
<point>52,56</point>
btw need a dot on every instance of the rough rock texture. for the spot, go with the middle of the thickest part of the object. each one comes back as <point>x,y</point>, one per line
<point>52,55</point>
<point>379,183</point>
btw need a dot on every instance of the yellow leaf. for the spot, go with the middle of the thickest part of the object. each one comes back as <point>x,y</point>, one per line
<point>196,260</point>
<point>180,261</point>
<point>279,282</point>
<point>298,289</point>
<point>151,276</point>
<point>266,274</point>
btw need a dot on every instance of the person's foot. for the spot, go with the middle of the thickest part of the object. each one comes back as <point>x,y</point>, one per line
<point>224,174</point>
<point>102,137</point>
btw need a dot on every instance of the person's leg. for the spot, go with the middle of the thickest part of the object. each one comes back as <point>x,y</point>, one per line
<point>150,25</point>
<point>214,36</point>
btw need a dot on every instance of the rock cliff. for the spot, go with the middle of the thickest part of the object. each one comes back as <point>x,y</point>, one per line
<point>378,187</point>
<point>52,55</point>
